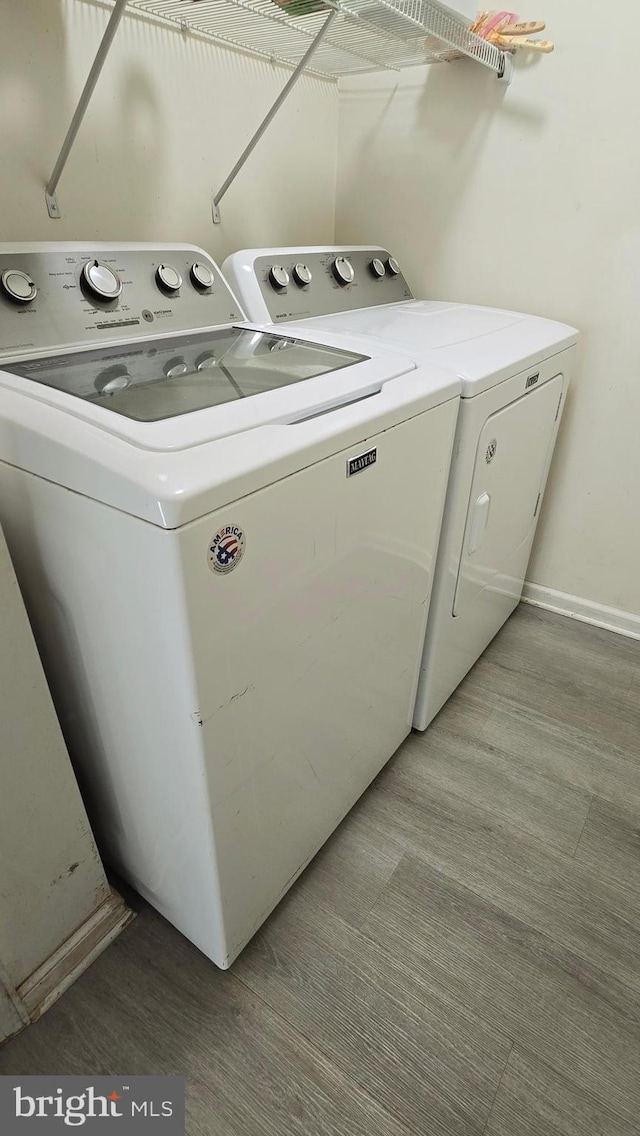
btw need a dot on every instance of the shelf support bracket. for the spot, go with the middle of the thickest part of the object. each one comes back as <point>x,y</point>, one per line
<point>505,75</point>
<point>85,98</point>
<point>286,90</point>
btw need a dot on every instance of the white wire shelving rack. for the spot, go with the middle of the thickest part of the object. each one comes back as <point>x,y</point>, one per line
<point>330,38</point>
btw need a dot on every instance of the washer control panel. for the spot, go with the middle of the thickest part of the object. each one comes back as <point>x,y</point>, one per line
<point>318,282</point>
<point>62,295</point>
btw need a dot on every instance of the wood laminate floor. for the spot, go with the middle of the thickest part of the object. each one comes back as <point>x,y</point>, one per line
<point>462,958</point>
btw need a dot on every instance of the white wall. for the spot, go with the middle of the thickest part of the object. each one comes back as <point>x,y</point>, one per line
<point>169,117</point>
<point>51,877</point>
<point>528,198</point>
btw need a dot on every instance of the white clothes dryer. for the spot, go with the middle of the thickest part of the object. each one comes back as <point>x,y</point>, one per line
<point>225,540</point>
<point>514,370</point>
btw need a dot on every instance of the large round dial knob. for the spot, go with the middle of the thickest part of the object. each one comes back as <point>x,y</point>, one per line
<point>112,380</point>
<point>377,268</point>
<point>392,266</point>
<point>278,277</point>
<point>168,277</point>
<point>101,280</point>
<point>302,275</point>
<point>343,270</point>
<point>201,276</point>
<point>206,361</point>
<point>18,286</point>
<point>175,367</point>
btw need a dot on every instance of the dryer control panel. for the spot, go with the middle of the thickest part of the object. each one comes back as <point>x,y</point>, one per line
<point>298,283</point>
<point>84,295</point>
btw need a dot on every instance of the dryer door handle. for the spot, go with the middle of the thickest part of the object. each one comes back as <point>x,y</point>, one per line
<point>479,522</point>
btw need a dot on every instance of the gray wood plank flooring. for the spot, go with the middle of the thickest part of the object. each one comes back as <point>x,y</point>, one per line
<point>586,911</point>
<point>533,1100</point>
<point>428,1059</point>
<point>578,679</point>
<point>551,1000</point>
<point>458,753</point>
<point>463,956</point>
<point>610,842</point>
<point>152,1002</point>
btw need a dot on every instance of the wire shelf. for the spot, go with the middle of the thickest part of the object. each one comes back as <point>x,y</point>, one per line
<point>366,35</point>
<point>329,37</point>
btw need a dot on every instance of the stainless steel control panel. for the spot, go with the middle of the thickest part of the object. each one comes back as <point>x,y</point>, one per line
<point>320,282</point>
<point>59,296</point>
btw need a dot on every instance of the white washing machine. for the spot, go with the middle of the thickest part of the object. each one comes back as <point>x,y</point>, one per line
<point>514,370</point>
<point>226,543</point>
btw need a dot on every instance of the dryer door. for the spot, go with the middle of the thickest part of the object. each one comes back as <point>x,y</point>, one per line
<point>512,460</point>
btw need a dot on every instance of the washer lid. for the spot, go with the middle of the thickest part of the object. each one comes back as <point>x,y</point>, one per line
<point>483,346</point>
<point>168,378</point>
<point>275,410</point>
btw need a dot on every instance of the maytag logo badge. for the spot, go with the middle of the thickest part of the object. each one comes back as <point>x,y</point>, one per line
<point>130,1106</point>
<point>532,380</point>
<point>363,461</point>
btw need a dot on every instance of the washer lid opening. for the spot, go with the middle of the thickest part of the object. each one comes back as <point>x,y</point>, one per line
<point>150,382</point>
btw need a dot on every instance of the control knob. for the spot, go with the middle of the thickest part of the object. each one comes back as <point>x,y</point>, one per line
<point>175,367</point>
<point>393,266</point>
<point>343,270</point>
<point>205,361</point>
<point>112,380</point>
<point>101,281</point>
<point>278,277</point>
<point>377,268</point>
<point>168,277</point>
<point>18,286</point>
<point>201,276</point>
<point>302,275</point>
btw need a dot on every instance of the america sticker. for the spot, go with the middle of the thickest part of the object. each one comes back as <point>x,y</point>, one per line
<point>226,549</point>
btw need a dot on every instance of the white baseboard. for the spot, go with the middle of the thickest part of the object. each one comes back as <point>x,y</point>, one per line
<point>56,974</point>
<point>13,1013</point>
<point>622,622</point>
